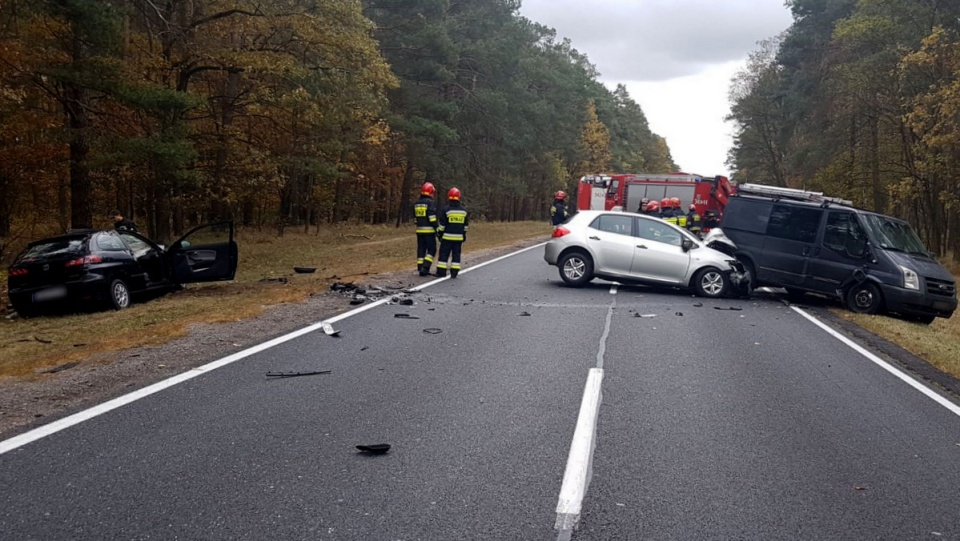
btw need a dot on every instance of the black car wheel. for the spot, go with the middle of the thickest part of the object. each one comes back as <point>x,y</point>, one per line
<point>119,295</point>
<point>864,298</point>
<point>26,310</point>
<point>710,282</point>
<point>576,269</point>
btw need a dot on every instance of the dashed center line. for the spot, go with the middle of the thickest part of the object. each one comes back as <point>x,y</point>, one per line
<point>579,470</point>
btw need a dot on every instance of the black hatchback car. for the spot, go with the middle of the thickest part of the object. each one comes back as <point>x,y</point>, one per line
<point>84,267</point>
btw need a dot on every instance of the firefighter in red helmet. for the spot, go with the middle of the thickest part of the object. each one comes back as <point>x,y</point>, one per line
<point>558,212</point>
<point>667,211</point>
<point>652,209</point>
<point>425,213</point>
<point>694,220</point>
<point>452,231</point>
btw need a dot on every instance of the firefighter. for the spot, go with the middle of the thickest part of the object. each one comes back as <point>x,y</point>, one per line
<point>558,212</point>
<point>453,233</point>
<point>425,212</point>
<point>666,211</point>
<point>642,209</point>
<point>652,209</point>
<point>678,212</point>
<point>694,223</point>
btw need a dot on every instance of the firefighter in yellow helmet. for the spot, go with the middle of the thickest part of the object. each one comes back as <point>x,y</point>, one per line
<point>425,212</point>
<point>452,231</point>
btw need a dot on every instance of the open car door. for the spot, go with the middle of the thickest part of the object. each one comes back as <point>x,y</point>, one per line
<point>207,253</point>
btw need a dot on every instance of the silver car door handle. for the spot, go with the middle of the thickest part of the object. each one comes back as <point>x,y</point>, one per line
<point>594,238</point>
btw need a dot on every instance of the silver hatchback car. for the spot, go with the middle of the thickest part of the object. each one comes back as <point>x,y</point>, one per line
<point>628,247</point>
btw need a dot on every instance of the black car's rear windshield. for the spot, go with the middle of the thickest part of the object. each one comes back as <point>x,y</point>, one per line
<point>53,249</point>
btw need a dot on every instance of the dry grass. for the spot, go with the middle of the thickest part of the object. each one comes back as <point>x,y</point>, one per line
<point>339,254</point>
<point>938,343</point>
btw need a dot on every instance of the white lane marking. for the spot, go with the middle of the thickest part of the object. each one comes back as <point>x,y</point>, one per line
<point>87,414</point>
<point>576,478</point>
<point>881,363</point>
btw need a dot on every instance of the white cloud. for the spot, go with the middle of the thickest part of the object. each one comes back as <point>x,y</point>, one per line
<point>676,58</point>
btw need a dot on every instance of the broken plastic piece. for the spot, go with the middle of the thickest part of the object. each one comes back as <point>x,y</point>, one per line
<point>328,329</point>
<point>406,302</point>
<point>405,316</point>
<point>737,308</point>
<point>680,313</point>
<point>524,313</point>
<point>375,449</point>
<point>433,331</point>
<point>698,305</point>
<point>644,315</point>
<point>295,374</point>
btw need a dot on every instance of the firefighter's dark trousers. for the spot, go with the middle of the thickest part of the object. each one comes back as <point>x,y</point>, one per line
<point>449,249</point>
<point>426,248</point>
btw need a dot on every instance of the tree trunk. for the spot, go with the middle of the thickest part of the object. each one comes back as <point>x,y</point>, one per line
<point>405,189</point>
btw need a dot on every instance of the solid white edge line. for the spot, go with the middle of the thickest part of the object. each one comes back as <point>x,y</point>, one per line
<point>881,363</point>
<point>576,477</point>
<point>87,414</point>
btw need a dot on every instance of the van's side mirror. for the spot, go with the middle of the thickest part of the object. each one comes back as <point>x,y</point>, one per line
<point>687,245</point>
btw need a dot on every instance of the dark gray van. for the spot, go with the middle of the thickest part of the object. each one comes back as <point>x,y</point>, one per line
<point>869,261</point>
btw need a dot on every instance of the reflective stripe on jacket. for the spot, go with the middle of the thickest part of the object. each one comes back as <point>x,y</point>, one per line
<point>425,212</point>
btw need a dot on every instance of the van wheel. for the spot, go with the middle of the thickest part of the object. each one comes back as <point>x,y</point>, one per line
<point>576,269</point>
<point>119,295</point>
<point>710,282</point>
<point>864,298</point>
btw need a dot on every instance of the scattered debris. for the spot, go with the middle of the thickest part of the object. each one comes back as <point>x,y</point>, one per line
<point>375,449</point>
<point>80,345</point>
<point>364,348</point>
<point>358,299</point>
<point>295,374</point>
<point>304,270</point>
<point>736,308</point>
<point>61,368</point>
<point>698,305</point>
<point>341,286</point>
<point>406,302</point>
<point>433,331</point>
<point>525,313</point>
<point>680,314</point>
<point>279,280</point>
<point>405,316</point>
<point>329,330</point>
<point>638,314</point>
<point>858,487</point>
<point>42,340</point>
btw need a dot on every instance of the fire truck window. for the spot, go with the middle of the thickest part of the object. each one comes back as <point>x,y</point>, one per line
<point>613,223</point>
<point>684,193</point>
<point>614,186</point>
<point>747,215</point>
<point>794,223</point>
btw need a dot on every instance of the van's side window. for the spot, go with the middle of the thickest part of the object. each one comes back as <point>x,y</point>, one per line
<point>750,215</point>
<point>844,235</point>
<point>794,223</point>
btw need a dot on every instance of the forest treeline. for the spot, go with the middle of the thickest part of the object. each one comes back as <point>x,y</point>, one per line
<point>282,113</point>
<point>859,99</point>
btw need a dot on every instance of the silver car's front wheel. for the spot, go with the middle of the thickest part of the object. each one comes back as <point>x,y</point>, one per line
<point>710,282</point>
<point>576,269</point>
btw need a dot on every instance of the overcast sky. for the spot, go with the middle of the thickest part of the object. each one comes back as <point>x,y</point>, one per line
<point>676,58</point>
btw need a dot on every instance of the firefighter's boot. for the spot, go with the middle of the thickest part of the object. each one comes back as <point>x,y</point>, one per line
<point>441,273</point>
<point>454,272</point>
<point>425,269</point>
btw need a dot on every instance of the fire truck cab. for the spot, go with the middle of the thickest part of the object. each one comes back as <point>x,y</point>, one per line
<point>604,192</point>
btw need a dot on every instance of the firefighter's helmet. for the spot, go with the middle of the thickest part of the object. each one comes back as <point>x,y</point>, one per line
<point>693,207</point>
<point>561,195</point>
<point>675,201</point>
<point>453,194</point>
<point>665,203</point>
<point>427,189</point>
<point>653,206</point>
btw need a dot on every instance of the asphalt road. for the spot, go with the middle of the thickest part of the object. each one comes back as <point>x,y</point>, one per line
<point>714,424</point>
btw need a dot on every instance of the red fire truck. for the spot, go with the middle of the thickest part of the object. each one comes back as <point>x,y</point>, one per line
<point>604,192</point>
